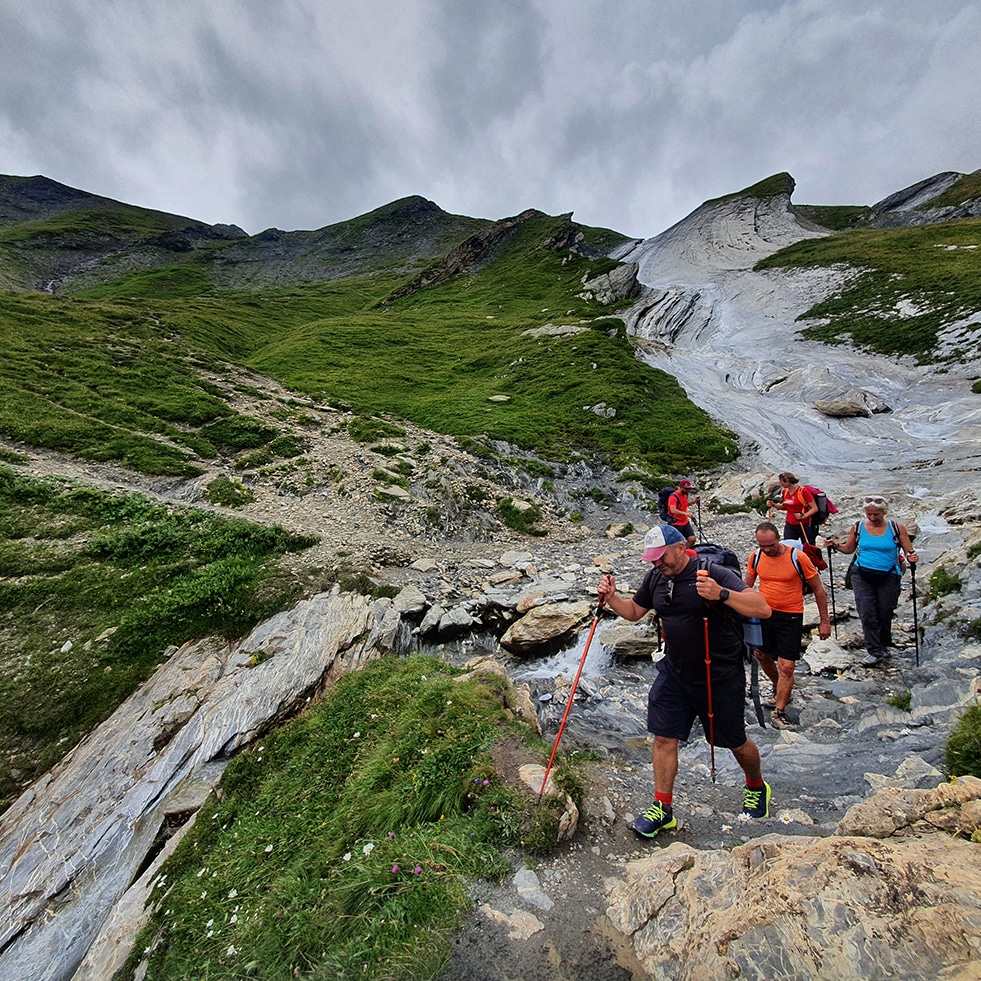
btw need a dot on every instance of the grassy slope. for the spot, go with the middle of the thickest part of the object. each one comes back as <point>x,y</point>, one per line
<point>93,587</point>
<point>105,374</point>
<point>929,267</point>
<point>342,845</point>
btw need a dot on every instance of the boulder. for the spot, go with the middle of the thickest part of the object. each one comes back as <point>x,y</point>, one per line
<point>543,629</point>
<point>840,408</point>
<point>847,907</point>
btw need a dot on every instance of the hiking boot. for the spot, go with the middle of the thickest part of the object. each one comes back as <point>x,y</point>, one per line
<point>658,817</point>
<point>780,720</point>
<point>871,660</point>
<point>756,803</point>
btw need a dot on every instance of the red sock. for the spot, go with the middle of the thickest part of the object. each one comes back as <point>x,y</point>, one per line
<point>663,798</point>
<point>755,786</point>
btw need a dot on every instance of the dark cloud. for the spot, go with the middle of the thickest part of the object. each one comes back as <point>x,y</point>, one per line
<point>630,113</point>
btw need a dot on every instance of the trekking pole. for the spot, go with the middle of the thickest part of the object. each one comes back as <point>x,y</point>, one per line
<point>572,695</point>
<point>916,628</point>
<point>698,520</point>
<point>831,579</point>
<point>708,682</point>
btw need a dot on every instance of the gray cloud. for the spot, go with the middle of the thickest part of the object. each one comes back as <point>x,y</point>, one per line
<point>631,113</point>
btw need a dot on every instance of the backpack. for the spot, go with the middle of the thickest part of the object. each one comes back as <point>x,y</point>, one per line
<point>826,506</point>
<point>662,503</point>
<point>707,552</point>
<point>709,555</point>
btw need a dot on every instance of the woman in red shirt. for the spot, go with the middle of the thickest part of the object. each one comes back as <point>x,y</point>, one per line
<point>800,506</point>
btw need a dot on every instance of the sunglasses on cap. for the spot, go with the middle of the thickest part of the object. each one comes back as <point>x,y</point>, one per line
<point>878,501</point>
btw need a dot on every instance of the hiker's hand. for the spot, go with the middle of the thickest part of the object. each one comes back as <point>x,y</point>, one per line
<point>912,557</point>
<point>824,629</point>
<point>606,589</point>
<point>706,586</point>
<point>698,500</point>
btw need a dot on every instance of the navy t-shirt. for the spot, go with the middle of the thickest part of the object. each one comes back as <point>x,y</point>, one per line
<point>682,610</point>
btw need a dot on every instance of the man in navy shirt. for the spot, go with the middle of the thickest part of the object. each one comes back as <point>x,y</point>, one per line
<point>687,599</point>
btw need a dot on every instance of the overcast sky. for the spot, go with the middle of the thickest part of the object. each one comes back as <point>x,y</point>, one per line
<point>630,113</point>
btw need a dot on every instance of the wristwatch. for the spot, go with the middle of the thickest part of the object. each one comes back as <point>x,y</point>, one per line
<point>724,595</point>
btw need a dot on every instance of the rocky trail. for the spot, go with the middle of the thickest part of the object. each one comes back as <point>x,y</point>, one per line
<point>568,916</point>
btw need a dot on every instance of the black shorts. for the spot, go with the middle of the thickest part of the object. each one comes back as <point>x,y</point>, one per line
<point>782,634</point>
<point>686,529</point>
<point>673,705</point>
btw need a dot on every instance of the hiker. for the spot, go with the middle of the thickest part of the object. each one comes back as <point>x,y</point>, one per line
<point>691,601</point>
<point>800,505</point>
<point>678,510</point>
<point>876,573</point>
<point>782,575</point>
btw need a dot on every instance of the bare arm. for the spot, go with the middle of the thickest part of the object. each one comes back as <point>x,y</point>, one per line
<point>907,543</point>
<point>849,545</point>
<point>607,595</point>
<point>746,602</point>
<point>821,598</point>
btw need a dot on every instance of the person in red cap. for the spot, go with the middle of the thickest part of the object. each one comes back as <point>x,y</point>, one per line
<point>678,510</point>
<point>690,602</point>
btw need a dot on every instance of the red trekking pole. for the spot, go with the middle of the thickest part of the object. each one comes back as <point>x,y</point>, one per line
<point>572,695</point>
<point>708,682</point>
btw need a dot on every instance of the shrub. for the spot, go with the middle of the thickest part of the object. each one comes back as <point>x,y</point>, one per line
<point>228,493</point>
<point>943,583</point>
<point>521,519</point>
<point>963,750</point>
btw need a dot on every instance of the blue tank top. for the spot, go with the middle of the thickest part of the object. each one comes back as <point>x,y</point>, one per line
<point>877,553</point>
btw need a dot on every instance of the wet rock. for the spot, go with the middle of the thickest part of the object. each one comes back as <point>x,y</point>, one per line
<point>543,628</point>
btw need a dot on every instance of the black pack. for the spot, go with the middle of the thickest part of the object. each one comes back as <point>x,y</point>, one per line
<point>662,503</point>
<point>707,552</point>
<point>825,506</point>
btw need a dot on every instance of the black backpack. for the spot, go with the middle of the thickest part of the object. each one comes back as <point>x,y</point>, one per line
<point>707,552</point>
<point>662,503</point>
<point>826,507</point>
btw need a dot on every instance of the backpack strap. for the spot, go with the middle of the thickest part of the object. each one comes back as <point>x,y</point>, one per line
<point>754,561</point>
<point>795,558</point>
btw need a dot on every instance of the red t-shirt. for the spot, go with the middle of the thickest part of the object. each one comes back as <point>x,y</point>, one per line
<point>802,499</point>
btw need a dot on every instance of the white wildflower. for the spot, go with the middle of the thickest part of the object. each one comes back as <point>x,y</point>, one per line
<point>233,893</point>
<point>368,849</point>
<point>347,857</point>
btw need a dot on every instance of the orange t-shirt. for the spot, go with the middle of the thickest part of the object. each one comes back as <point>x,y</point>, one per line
<point>779,583</point>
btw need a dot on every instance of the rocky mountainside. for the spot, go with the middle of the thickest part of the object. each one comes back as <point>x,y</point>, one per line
<point>731,331</point>
<point>842,882</point>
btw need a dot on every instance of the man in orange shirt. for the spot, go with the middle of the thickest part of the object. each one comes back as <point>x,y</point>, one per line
<point>782,585</point>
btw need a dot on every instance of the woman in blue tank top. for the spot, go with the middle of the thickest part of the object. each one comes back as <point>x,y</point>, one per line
<point>876,574</point>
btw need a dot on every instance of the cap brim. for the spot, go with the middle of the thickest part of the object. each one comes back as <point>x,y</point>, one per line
<point>653,554</point>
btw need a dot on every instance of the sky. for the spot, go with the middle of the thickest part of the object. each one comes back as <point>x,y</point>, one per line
<point>296,114</point>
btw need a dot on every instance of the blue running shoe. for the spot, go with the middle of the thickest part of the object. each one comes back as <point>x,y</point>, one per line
<point>658,817</point>
<point>756,803</point>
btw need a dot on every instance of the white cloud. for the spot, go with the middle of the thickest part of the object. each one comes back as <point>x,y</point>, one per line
<point>630,113</point>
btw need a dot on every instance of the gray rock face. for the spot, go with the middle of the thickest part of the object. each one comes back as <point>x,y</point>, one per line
<point>72,844</point>
<point>843,907</point>
<point>620,283</point>
<point>545,627</point>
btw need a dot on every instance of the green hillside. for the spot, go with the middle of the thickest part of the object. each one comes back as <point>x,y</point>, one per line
<point>907,284</point>
<point>118,370</point>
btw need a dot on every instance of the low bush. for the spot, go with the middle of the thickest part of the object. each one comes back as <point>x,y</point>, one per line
<point>963,750</point>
